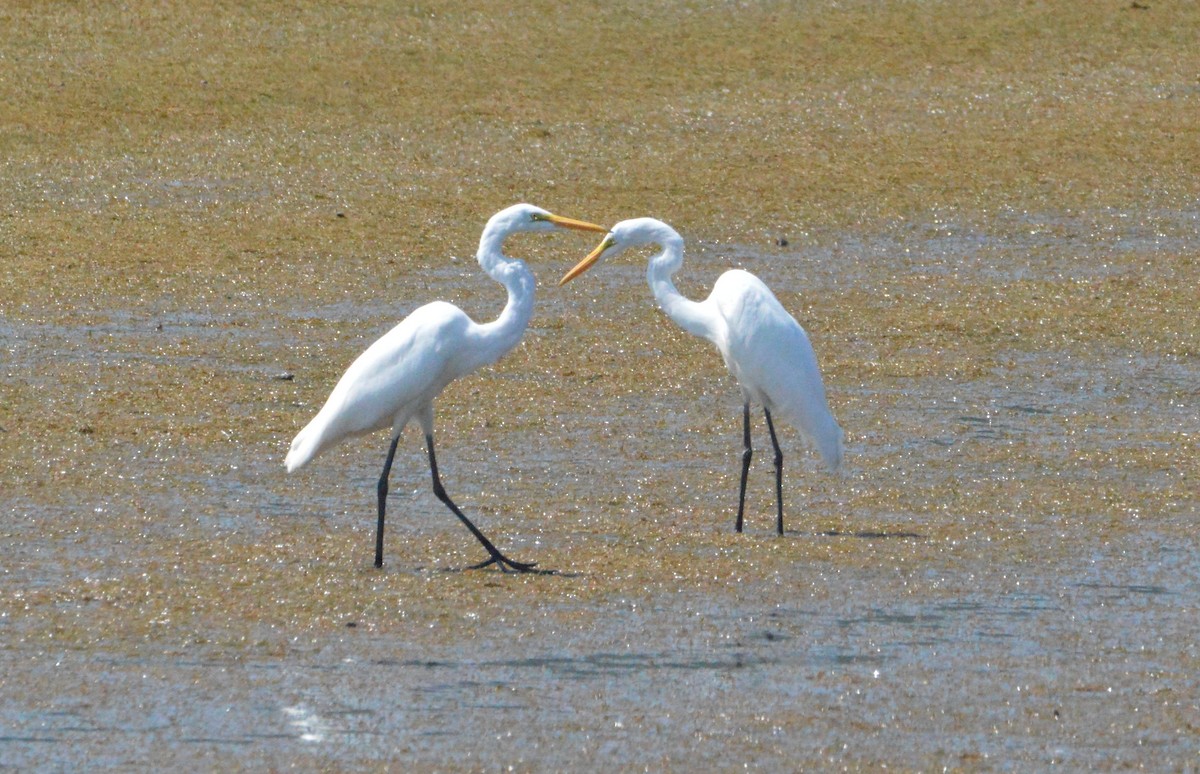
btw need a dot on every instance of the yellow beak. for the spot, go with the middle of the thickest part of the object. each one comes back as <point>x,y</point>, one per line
<point>578,225</point>
<point>586,263</point>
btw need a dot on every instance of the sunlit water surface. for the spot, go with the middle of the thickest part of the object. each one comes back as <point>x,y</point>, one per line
<point>1006,577</point>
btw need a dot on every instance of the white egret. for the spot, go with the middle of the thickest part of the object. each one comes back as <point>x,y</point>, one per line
<point>398,376</point>
<point>764,347</point>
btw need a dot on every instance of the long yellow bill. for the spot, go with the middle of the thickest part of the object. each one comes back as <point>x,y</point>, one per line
<point>586,263</point>
<point>578,225</point>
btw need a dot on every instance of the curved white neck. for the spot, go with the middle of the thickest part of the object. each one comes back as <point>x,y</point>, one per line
<point>690,315</point>
<point>505,332</point>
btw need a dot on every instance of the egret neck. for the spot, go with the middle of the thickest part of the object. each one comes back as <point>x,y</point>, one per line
<point>505,332</point>
<point>686,313</point>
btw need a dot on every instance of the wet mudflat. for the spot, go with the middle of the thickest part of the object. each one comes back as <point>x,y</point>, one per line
<point>995,262</point>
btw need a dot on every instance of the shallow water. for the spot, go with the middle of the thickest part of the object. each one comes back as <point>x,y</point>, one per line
<point>990,217</point>
<point>1005,578</point>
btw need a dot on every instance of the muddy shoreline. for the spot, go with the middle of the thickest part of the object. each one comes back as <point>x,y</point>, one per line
<point>991,223</point>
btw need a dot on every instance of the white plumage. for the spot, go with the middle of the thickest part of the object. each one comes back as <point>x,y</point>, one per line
<point>764,347</point>
<point>398,376</point>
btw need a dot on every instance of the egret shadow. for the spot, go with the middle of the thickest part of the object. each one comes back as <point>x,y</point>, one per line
<point>873,534</point>
<point>533,571</point>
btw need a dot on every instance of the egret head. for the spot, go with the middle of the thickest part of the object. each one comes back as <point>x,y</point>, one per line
<point>626,234</point>
<point>527,217</point>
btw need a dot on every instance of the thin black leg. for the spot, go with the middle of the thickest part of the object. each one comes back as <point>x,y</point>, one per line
<point>497,558</point>
<point>382,489</point>
<point>778,473</point>
<point>747,453</point>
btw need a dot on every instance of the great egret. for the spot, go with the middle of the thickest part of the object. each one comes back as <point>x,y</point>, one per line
<point>398,376</point>
<point>764,347</point>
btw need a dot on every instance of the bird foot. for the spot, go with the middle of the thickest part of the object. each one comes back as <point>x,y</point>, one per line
<point>505,564</point>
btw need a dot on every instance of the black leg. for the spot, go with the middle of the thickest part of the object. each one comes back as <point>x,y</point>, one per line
<point>497,558</point>
<point>382,489</point>
<point>778,473</point>
<point>747,453</point>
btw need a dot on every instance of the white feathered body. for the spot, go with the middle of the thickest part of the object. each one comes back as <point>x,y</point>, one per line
<point>395,379</point>
<point>769,354</point>
<point>764,347</point>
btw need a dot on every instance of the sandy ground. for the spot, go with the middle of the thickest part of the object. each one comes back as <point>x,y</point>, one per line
<point>987,219</point>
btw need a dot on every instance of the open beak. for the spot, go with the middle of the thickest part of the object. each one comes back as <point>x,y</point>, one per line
<point>586,263</point>
<point>577,225</point>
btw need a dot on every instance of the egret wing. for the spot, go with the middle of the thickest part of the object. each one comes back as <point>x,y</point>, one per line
<point>772,358</point>
<point>403,370</point>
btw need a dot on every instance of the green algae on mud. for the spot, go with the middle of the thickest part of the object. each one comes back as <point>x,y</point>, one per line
<point>990,215</point>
